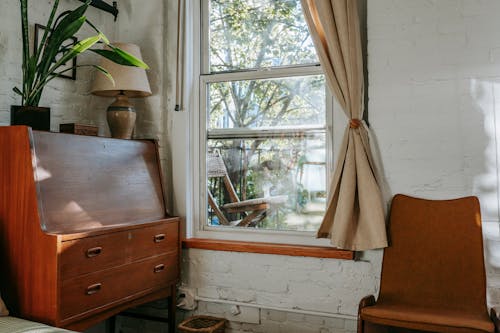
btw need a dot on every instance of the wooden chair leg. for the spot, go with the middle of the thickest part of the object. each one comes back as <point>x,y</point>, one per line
<point>248,219</point>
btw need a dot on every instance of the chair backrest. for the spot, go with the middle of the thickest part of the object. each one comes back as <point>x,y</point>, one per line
<point>436,254</point>
<point>216,168</point>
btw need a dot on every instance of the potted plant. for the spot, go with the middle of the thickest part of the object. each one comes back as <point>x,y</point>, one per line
<point>44,62</point>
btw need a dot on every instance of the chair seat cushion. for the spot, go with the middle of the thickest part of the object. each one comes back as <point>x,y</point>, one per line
<point>428,318</point>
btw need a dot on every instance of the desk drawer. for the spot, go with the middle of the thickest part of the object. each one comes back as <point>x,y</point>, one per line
<point>99,289</point>
<point>86,255</point>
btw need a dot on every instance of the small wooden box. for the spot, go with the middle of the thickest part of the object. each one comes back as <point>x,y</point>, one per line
<point>79,129</point>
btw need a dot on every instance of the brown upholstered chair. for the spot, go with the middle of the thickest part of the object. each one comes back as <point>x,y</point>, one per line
<point>433,277</point>
<point>254,210</point>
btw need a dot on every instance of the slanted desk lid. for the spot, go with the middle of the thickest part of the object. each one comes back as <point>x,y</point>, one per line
<point>86,183</point>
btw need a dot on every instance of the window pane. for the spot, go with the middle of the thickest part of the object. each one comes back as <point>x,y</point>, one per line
<point>273,103</point>
<point>288,173</point>
<point>247,34</point>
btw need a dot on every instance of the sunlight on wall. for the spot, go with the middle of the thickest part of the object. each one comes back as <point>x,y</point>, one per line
<point>486,98</point>
<point>485,185</point>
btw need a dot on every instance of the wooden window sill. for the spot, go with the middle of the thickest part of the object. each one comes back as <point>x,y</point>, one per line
<point>268,248</point>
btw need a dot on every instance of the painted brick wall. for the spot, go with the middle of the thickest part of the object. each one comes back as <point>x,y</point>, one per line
<point>282,282</point>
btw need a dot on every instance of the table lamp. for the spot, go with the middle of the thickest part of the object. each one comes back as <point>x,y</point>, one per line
<point>129,82</point>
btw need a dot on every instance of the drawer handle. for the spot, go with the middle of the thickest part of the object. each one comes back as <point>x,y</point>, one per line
<point>93,289</point>
<point>93,252</point>
<point>159,238</point>
<point>159,268</point>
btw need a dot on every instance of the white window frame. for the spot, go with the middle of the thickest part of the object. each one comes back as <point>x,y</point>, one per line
<point>195,158</point>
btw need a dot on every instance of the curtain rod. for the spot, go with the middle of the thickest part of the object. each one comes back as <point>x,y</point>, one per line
<point>112,9</point>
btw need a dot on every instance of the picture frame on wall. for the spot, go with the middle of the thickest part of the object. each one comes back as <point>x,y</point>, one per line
<point>69,68</point>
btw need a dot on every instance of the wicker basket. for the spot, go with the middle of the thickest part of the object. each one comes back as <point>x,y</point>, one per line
<point>203,324</point>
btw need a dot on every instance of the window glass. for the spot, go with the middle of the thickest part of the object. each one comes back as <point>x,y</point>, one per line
<point>266,134</point>
<point>272,103</point>
<point>290,172</point>
<point>249,34</point>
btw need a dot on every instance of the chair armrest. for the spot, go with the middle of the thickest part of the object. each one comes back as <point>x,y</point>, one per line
<point>245,206</point>
<point>254,204</point>
<point>495,319</point>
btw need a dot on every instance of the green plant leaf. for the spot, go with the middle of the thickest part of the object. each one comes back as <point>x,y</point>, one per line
<point>71,16</point>
<point>39,49</point>
<point>71,22</point>
<point>103,36</point>
<point>78,48</point>
<point>105,72</point>
<point>17,91</point>
<point>130,58</point>
<point>25,39</point>
<point>58,36</point>
<point>85,44</point>
<point>51,72</point>
<point>56,39</point>
<point>113,56</point>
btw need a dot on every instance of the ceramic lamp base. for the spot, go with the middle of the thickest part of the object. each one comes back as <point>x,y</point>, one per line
<point>121,118</point>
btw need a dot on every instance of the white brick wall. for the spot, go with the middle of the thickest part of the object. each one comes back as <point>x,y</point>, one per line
<point>282,282</point>
<point>323,285</point>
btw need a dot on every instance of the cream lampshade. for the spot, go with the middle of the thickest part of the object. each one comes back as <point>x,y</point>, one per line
<point>129,82</point>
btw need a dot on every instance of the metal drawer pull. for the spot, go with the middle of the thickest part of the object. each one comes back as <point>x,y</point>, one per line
<point>95,251</point>
<point>159,238</point>
<point>159,268</point>
<point>93,288</point>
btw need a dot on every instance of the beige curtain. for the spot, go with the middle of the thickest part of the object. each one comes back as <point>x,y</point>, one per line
<point>354,219</point>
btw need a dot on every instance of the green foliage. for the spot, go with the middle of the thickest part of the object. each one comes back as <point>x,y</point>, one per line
<point>257,34</point>
<point>43,63</point>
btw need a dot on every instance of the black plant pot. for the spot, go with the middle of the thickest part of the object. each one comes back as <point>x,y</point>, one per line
<point>38,118</point>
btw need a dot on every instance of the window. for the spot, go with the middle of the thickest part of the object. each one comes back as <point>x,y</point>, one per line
<point>265,111</point>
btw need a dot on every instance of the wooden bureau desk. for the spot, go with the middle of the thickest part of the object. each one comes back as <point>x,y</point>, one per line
<point>83,228</point>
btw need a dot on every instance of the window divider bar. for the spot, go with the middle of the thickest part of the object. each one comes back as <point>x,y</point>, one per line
<point>270,73</point>
<point>268,133</point>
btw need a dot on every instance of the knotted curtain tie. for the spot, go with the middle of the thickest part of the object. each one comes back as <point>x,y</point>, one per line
<point>354,123</point>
